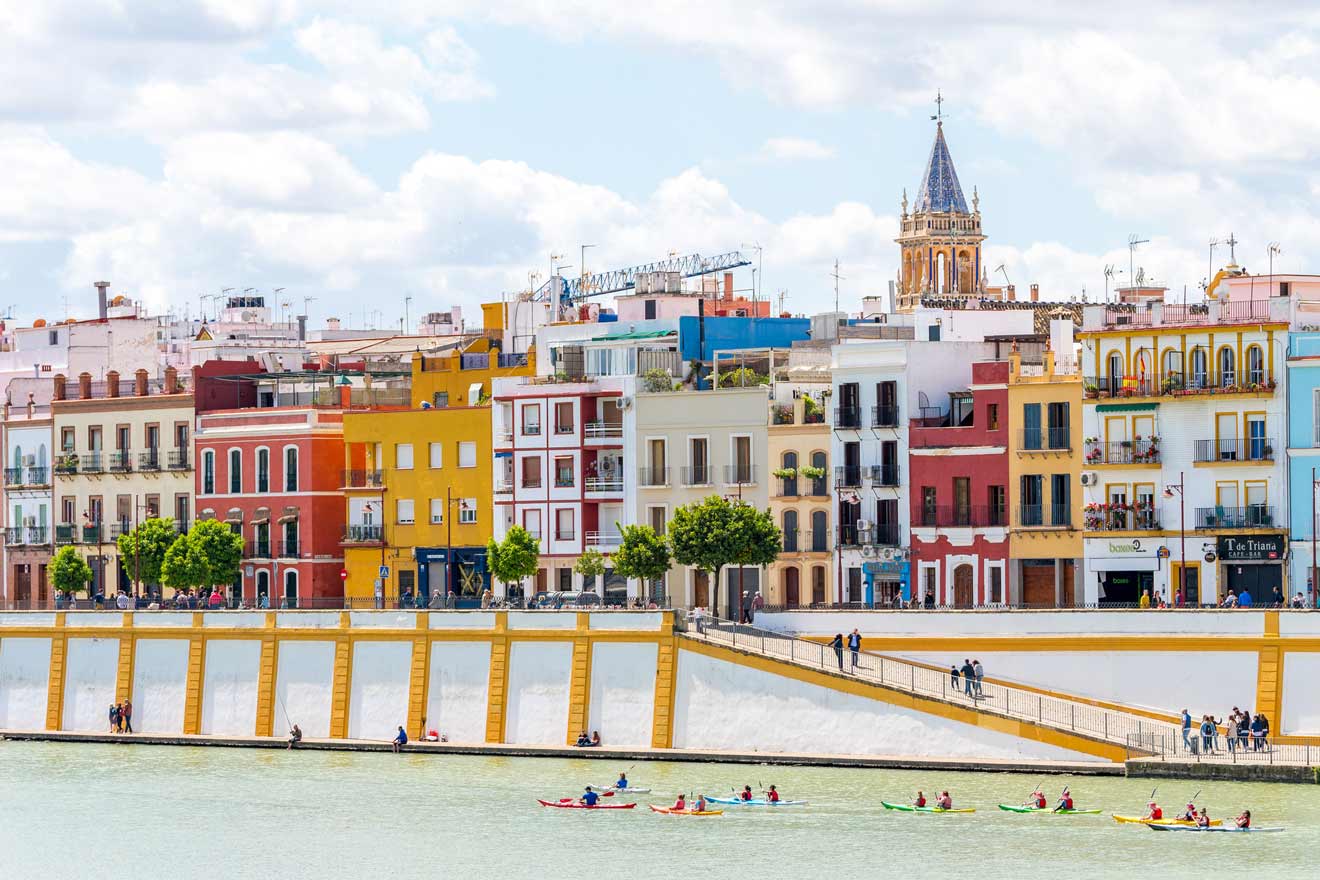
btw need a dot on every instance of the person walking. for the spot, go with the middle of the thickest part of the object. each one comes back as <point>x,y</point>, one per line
<point>837,645</point>
<point>953,677</point>
<point>126,713</point>
<point>854,646</point>
<point>114,718</point>
<point>979,671</point>
<point>969,677</point>
<point>1186,730</point>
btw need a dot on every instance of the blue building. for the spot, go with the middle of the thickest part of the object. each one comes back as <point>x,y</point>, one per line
<point>1303,457</point>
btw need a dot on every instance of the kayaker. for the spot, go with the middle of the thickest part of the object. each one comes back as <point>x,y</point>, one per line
<point>1189,814</point>
<point>920,801</point>
<point>1037,800</point>
<point>1244,821</point>
<point>623,781</point>
<point>772,795</point>
<point>945,802</point>
<point>746,793</point>
<point>681,803</point>
<point>700,805</point>
<point>1154,811</point>
<point>589,797</point>
<point>1065,801</point>
<point>1203,819</point>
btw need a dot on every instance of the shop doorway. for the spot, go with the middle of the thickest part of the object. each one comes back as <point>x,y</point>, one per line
<point>791,588</point>
<point>1259,580</point>
<point>1192,596</point>
<point>962,586</point>
<point>1125,587</point>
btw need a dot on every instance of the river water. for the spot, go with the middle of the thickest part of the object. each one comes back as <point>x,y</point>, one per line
<point>106,811</point>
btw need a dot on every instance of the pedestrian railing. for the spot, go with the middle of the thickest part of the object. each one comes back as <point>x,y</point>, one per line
<point>1095,722</point>
<point>1220,749</point>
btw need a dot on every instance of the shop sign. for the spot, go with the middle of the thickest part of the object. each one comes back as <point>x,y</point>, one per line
<point>1128,548</point>
<point>1250,548</point>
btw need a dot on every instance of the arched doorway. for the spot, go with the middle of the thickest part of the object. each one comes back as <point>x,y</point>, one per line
<point>263,588</point>
<point>962,586</point>
<point>291,589</point>
<point>792,597</point>
<point>818,585</point>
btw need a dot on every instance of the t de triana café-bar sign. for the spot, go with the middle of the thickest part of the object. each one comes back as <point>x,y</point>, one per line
<point>1250,547</point>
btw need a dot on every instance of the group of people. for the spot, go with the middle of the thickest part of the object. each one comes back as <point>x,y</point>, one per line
<point>121,717</point>
<point>854,648</point>
<point>1242,730</point>
<point>943,802</point>
<point>1038,801</point>
<point>971,674</point>
<point>587,742</point>
<point>1201,817</point>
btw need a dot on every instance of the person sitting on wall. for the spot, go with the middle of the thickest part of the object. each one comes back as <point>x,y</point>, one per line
<point>400,739</point>
<point>595,738</point>
<point>582,740</point>
<point>295,737</point>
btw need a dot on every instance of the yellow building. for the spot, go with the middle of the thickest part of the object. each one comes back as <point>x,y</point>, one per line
<point>418,489</point>
<point>800,505</point>
<point>1045,466</point>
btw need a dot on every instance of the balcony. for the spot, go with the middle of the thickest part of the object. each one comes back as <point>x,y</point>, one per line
<point>67,463</point>
<point>93,534</point>
<point>1141,450</point>
<point>739,474</point>
<point>602,432</point>
<point>177,460</point>
<point>38,476</point>
<point>1045,440</point>
<point>697,476</point>
<point>1122,517</point>
<point>149,460</point>
<point>1253,516</point>
<point>884,417</point>
<point>848,476</point>
<point>89,463</point>
<point>847,417</point>
<point>1038,516</point>
<point>504,484</point>
<point>1174,385</point>
<point>289,549</point>
<point>974,516</point>
<point>121,462</point>
<point>363,534</point>
<point>605,485</point>
<point>66,534</point>
<point>885,475</point>
<point>787,488</point>
<point>653,477</point>
<point>1252,449</point>
<point>877,534</point>
<point>256,550</point>
<point>603,539</point>
<point>15,535</point>
<point>119,528</point>
<point>363,479</point>
<point>14,476</point>
<point>38,535</point>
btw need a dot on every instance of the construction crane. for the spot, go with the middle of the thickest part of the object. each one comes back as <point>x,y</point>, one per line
<point>570,291</point>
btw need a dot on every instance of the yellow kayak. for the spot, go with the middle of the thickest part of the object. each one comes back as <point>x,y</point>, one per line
<point>1139,820</point>
<point>670,811</point>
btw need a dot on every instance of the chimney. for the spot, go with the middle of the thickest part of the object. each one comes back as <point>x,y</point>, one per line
<point>1012,293</point>
<point>59,383</point>
<point>31,405</point>
<point>728,285</point>
<point>171,380</point>
<point>112,383</point>
<point>1035,293</point>
<point>101,288</point>
<point>84,386</point>
<point>140,383</point>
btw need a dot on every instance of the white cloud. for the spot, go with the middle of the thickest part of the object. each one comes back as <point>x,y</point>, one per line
<point>790,149</point>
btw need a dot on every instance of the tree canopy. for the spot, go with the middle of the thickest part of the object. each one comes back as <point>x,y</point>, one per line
<point>69,572</point>
<point>221,547</point>
<point>642,554</point>
<point>591,564</point>
<point>151,540</point>
<point>514,558</point>
<point>716,532</point>
<point>185,565</point>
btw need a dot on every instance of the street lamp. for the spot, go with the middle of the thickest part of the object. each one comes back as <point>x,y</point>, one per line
<point>1169,489</point>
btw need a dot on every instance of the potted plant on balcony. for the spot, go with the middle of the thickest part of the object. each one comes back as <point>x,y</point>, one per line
<point>657,380</point>
<point>786,473</point>
<point>1091,389</point>
<point>811,473</point>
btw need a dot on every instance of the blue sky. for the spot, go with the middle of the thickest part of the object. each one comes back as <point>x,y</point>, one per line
<point>446,149</point>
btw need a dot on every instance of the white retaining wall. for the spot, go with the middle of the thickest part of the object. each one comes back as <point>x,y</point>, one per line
<point>622,699</point>
<point>304,679</point>
<point>229,687</point>
<point>24,683</point>
<point>378,704</point>
<point>457,694</point>
<point>537,708</point>
<point>89,683</point>
<point>160,685</point>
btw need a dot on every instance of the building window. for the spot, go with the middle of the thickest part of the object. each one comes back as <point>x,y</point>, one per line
<point>531,472</point>
<point>655,516</point>
<point>564,417</point>
<point>436,453</point>
<point>531,419</point>
<point>437,511</point>
<point>1058,435</point>
<point>1060,500</point>
<point>565,578</point>
<point>564,472</point>
<point>992,416</point>
<point>263,470</point>
<point>532,522</point>
<point>1032,512</point>
<point>996,584</point>
<point>467,454</point>
<point>467,511</point>
<point>208,472</point>
<point>440,399</point>
<point>403,511</point>
<point>235,472</point>
<point>996,498</point>
<point>291,469</point>
<point>1031,438</point>
<point>67,439</point>
<point>1227,373</point>
<point>1255,365</point>
<point>790,531</point>
<point>929,503</point>
<point>403,456</point>
<point>1197,379</point>
<point>564,524</point>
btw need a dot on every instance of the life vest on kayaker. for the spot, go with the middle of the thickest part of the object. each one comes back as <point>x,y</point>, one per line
<point>772,796</point>
<point>1040,801</point>
<point>1155,812</point>
<point>921,801</point>
<point>1067,802</point>
<point>746,793</point>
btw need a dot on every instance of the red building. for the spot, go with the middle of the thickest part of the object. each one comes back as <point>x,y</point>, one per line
<point>958,459</point>
<point>273,472</point>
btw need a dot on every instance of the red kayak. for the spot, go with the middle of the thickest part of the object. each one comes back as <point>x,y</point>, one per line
<point>570,804</point>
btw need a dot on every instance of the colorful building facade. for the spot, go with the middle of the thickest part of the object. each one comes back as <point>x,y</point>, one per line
<point>798,456</point>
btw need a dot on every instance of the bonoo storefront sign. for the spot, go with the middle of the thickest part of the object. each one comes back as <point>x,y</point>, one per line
<point>1251,548</point>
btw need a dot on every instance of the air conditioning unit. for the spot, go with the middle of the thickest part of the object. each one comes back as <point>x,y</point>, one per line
<point>863,525</point>
<point>625,403</point>
<point>30,522</point>
<point>29,461</point>
<point>868,550</point>
<point>888,553</point>
<point>1090,478</point>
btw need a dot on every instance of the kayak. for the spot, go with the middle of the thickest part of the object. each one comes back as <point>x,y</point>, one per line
<point>570,804</point>
<point>1138,820</point>
<point>1016,809</point>
<point>755,802</point>
<point>670,811</point>
<point>1229,830</point>
<point>908,808</point>
<point>608,790</point>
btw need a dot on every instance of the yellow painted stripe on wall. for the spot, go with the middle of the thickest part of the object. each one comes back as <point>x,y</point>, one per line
<point>265,723</point>
<point>342,681</point>
<point>496,691</point>
<point>662,715</point>
<point>55,684</point>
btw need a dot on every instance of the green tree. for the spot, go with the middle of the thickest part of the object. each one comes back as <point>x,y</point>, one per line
<point>514,558</point>
<point>716,532</point>
<point>642,554</point>
<point>591,565</point>
<point>185,566</point>
<point>221,547</point>
<point>69,572</point>
<point>143,549</point>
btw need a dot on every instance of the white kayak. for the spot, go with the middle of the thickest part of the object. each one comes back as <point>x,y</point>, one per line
<point>1224,829</point>
<point>611,790</point>
<point>755,802</point>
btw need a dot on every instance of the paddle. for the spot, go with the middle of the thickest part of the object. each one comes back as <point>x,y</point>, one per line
<point>1031,801</point>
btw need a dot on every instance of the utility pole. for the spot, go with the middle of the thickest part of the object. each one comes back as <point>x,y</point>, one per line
<point>837,278</point>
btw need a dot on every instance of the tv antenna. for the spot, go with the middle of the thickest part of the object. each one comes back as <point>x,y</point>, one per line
<point>1002,271</point>
<point>1133,241</point>
<point>837,278</point>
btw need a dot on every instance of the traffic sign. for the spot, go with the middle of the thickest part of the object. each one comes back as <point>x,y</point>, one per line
<point>384,572</point>
<point>343,574</point>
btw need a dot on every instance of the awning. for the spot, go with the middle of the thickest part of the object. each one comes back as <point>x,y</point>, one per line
<point>1126,407</point>
<point>235,515</point>
<point>1124,563</point>
<point>288,518</point>
<point>260,516</point>
<point>645,334</point>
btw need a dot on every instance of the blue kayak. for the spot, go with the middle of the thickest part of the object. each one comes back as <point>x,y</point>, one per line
<point>755,802</point>
<point>1225,829</point>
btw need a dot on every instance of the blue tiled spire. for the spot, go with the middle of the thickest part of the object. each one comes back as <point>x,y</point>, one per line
<point>940,191</point>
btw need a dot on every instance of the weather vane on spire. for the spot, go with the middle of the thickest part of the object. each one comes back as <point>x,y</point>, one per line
<point>938,118</point>
<point>1232,248</point>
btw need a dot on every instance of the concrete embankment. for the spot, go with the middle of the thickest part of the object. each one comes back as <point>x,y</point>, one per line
<point>1150,769</point>
<point>891,762</point>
